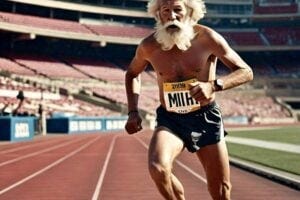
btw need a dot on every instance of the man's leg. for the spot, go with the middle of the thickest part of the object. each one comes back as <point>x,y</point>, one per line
<point>164,148</point>
<point>214,159</point>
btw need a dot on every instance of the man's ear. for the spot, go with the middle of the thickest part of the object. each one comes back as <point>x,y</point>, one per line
<point>190,12</point>
<point>157,16</point>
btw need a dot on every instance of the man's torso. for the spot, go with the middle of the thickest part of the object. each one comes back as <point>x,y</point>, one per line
<point>177,66</point>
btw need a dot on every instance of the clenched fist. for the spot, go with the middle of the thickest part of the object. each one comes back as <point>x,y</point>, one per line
<point>201,91</point>
<point>134,123</point>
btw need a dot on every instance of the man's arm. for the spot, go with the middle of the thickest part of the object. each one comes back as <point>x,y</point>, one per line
<point>133,85</point>
<point>240,70</point>
<point>133,79</point>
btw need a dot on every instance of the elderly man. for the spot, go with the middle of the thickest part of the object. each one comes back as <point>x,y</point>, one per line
<point>184,56</point>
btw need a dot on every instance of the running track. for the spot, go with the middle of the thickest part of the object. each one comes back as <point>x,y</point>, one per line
<point>109,166</point>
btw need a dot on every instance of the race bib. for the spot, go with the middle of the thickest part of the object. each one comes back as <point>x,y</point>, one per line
<point>177,97</point>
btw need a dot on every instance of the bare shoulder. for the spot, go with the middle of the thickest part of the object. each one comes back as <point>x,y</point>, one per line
<point>212,39</point>
<point>145,49</point>
<point>149,40</point>
<point>148,44</point>
<point>207,34</point>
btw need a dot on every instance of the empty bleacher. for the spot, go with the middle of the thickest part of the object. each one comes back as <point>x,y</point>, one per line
<point>275,7</point>
<point>99,69</point>
<point>243,37</point>
<point>250,105</point>
<point>48,66</point>
<point>44,23</point>
<point>277,35</point>
<point>110,75</point>
<point>237,37</point>
<point>53,102</point>
<point>118,30</point>
<point>12,67</point>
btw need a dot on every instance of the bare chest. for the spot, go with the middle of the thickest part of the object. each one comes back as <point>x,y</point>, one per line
<point>175,65</point>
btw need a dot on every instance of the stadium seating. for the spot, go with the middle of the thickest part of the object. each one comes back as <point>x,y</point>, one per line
<point>277,35</point>
<point>295,35</point>
<point>13,67</point>
<point>48,66</point>
<point>123,30</point>
<point>52,104</point>
<point>243,37</point>
<point>276,7</point>
<point>44,23</point>
<point>75,27</point>
<point>148,98</point>
<point>99,69</point>
<point>250,106</point>
<point>103,77</point>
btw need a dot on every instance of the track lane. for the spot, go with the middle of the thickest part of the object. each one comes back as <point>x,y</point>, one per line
<point>192,179</point>
<point>18,153</point>
<point>104,169</point>
<point>11,173</point>
<point>15,157</point>
<point>22,148</point>
<point>246,186</point>
<point>74,178</point>
<point>7,145</point>
<point>127,176</point>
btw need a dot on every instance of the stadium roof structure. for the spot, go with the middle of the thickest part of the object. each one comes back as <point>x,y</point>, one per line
<point>133,12</point>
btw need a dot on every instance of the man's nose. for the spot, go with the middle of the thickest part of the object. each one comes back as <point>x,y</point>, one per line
<point>172,16</point>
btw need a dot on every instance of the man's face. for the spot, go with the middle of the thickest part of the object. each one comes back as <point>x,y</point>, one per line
<point>170,11</point>
<point>173,26</point>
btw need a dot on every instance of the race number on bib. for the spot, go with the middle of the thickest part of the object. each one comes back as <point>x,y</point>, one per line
<point>177,97</point>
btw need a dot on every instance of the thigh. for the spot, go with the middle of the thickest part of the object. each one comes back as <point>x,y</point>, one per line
<point>164,147</point>
<point>215,161</point>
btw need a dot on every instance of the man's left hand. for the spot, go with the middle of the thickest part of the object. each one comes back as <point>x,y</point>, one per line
<point>201,91</point>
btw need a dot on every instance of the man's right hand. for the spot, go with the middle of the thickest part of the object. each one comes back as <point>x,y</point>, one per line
<point>134,123</point>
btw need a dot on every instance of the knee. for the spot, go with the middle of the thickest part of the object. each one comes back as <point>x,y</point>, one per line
<point>159,171</point>
<point>221,191</point>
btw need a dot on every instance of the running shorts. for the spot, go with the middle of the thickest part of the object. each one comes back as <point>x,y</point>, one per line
<point>196,129</point>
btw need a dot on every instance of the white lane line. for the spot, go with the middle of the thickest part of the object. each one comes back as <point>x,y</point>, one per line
<point>48,166</point>
<point>26,147</point>
<point>103,172</point>
<point>191,171</point>
<point>179,163</point>
<point>37,152</point>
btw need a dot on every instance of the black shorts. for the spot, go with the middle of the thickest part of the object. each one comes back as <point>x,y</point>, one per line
<point>196,129</point>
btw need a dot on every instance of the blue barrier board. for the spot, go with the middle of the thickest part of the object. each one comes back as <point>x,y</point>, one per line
<point>70,125</point>
<point>16,128</point>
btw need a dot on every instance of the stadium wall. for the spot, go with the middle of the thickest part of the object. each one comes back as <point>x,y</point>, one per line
<point>71,125</point>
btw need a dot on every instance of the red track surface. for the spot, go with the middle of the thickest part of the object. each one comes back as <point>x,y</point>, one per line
<point>108,166</point>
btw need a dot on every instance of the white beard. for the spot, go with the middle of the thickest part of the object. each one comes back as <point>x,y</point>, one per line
<point>181,38</point>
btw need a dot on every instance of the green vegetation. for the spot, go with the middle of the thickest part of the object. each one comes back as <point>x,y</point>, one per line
<point>283,134</point>
<point>284,161</point>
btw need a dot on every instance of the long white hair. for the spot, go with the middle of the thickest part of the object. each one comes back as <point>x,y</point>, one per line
<point>195,7</point>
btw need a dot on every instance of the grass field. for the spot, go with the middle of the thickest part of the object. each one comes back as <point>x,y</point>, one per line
<point>284,161</point>
<point>282,134</point>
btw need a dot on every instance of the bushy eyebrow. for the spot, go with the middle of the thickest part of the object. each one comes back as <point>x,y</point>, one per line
<point>175,6</point>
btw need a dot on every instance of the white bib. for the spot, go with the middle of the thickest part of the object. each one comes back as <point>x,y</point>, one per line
<point>177,97</point>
